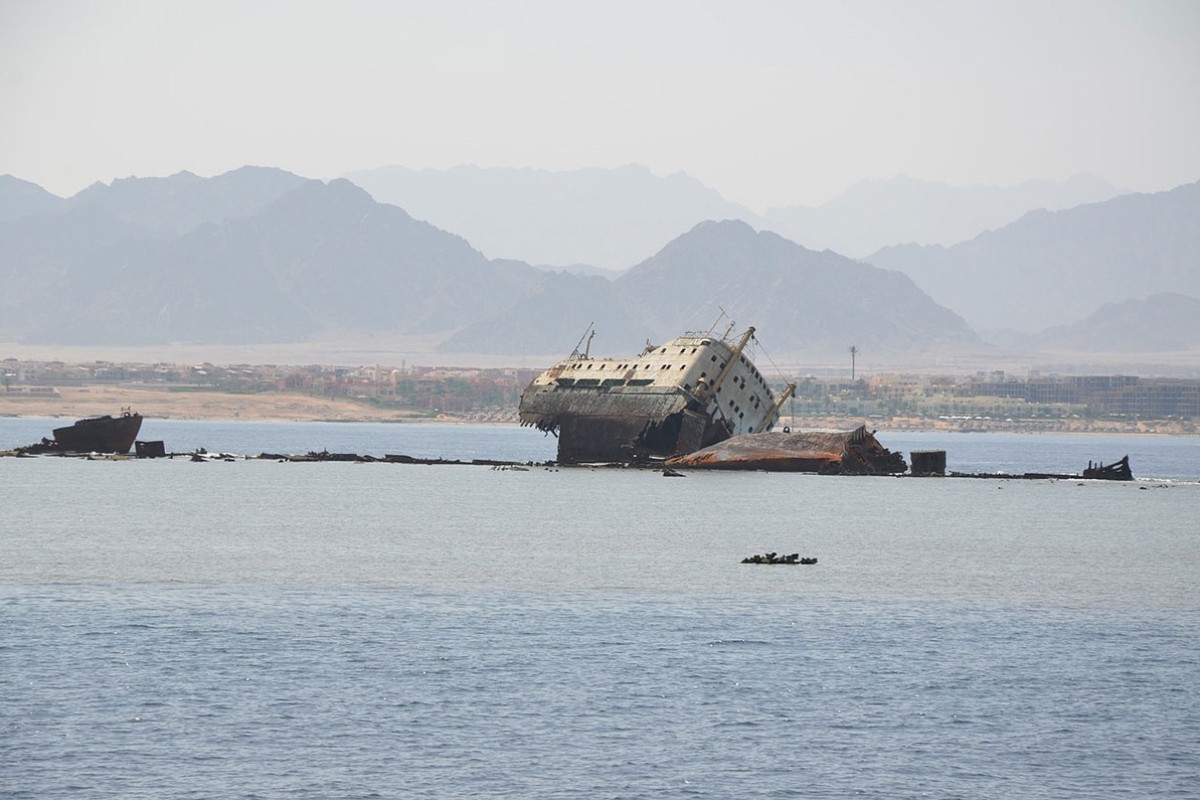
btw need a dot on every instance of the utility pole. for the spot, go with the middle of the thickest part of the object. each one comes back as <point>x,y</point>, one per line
<point>853,357</point>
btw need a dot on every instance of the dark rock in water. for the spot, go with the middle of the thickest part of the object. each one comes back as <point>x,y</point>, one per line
<point>775,558</point>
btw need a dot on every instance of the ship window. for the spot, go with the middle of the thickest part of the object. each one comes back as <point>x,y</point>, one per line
<point>741,414</point>
<point>714,358</point>
<point>681,366</point>
<point>731,404</point>
<point>693,349</point>
<point>750,429</point>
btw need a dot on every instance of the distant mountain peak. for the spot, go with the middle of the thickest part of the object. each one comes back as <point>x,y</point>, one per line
<point>874,214</point>
<point>1054,267</point>
<point>609,217</point>
<point>20,198</point>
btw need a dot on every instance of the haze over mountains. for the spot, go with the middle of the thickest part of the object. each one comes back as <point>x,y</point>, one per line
<point>1053,268</point>
<point>261,255</point>
<point>874,214</point>
<point>605,218</point>
<point>615,218</point>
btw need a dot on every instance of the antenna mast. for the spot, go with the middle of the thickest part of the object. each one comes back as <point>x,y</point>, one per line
<point>587,334</point>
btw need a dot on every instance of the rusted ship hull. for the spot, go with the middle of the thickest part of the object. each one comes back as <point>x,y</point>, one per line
<point>855,452</point>
<point>676,398</point>
<point>105,434</point>
<point>620,426</point>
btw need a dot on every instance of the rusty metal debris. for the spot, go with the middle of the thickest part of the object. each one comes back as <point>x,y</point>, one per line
<point>855,452</point>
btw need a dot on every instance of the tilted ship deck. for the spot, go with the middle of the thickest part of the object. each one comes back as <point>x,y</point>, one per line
<point>693,391</point>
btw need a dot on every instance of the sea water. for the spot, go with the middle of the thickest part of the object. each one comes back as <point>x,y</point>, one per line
<point>261,629</point>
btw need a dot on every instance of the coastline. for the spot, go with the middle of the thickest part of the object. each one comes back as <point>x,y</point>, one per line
<point>96,400</point>
<point>79,402</point>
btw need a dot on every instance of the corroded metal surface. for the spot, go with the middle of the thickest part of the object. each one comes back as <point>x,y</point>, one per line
<point>850,452</point>
<point>691,392</point>
<point>93,435</point>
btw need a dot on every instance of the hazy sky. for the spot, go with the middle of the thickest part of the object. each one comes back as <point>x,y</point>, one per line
<point>771,103</point>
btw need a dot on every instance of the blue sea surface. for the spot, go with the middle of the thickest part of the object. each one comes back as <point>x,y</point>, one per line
<point>341,630</point>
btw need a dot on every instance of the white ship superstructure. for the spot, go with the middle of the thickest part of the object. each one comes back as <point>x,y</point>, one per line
<point>674,398</point>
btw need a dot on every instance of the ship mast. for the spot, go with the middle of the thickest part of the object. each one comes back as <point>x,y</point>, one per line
<point>774,415</point>
<point>737,351</point>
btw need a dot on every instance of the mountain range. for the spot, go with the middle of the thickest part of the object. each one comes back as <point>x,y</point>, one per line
<point>874,214</point>
<point>609,219</point>
<point>261,255</point>
<point>809,302</point>
<point>160,260</point>
<point>1052,268</point>
<point>612,219</point>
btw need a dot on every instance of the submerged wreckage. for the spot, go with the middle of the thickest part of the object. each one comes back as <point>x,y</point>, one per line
<point>692,392</point>
<point>855,452</point>
<point>105,434</point>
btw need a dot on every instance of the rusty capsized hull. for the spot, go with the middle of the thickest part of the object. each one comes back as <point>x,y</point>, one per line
<point>105,434</point>
<point>855,452</point>
<point>621,426</point>
<point>691,392</point>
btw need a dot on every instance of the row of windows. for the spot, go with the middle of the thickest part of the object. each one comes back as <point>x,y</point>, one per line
<point>621,367</point>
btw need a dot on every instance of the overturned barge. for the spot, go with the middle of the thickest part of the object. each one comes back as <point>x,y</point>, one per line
<point>855,452</point>
<point>692,392</point>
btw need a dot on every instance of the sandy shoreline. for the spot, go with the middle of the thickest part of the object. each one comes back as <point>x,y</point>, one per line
<point>96,400</point>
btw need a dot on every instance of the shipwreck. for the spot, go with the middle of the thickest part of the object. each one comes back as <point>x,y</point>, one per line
<point>691,392</point>
<point>1117,471</point>
<point>855,452</point>
<point>106,434</point>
